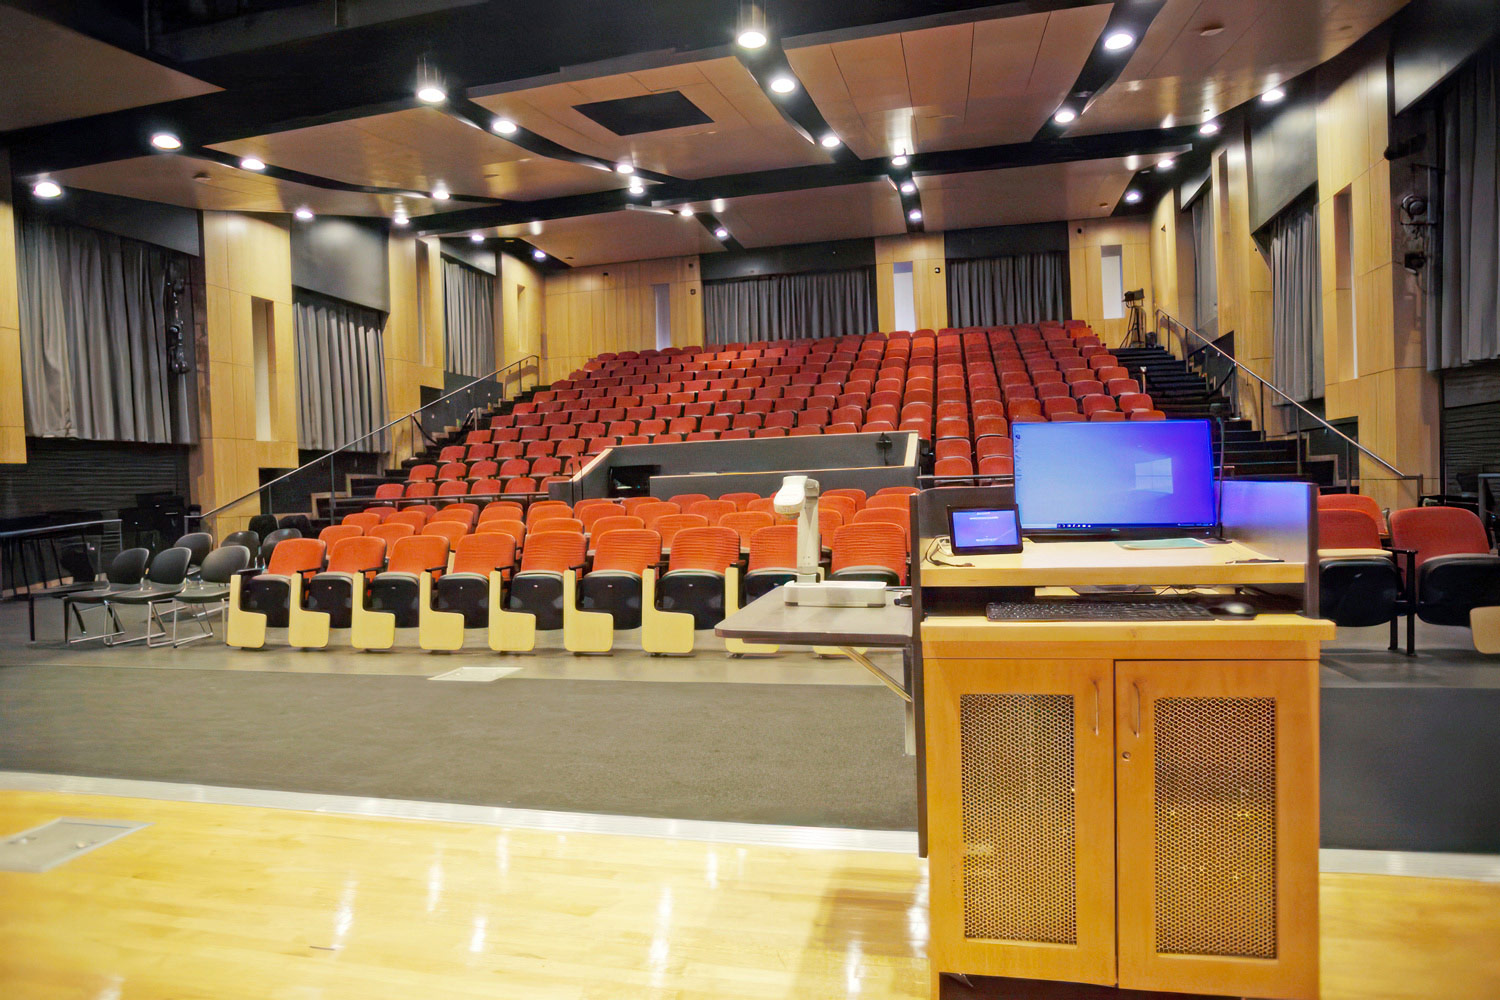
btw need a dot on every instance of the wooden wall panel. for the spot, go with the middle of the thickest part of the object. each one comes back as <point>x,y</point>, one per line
<point>612,308</point>
<point>409,333</point>
<point>929,267</point>
<point>1164,259</point>
<point>1086,239</point>
<point>245,257</point>
<point>12,413</point>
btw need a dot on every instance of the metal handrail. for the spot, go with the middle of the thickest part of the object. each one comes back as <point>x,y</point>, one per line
<point>1172,321</point>
<point>328,456</point>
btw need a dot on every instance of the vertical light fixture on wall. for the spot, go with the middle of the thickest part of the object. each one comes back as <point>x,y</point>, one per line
<point>263,333</point>
<point>1112,281</point>
<point>663,295</point>
<point>905,315</point>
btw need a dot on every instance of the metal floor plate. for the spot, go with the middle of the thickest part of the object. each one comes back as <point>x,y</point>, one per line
<point>479,674</point>
<point>51,844</point>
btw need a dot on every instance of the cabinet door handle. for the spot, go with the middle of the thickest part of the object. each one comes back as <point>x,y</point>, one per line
<point>1096,708</point>
<point>1137,689</point>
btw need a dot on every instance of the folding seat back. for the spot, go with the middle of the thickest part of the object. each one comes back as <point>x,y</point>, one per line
<point>613,585</point>
<point>652,512</point>
<point>335,533</point>
<point>465,512</point>
<point>450,530</point>
<point>504,510</point>
<point>1343,528</point>
<point>1353,501</point>
<point>480,554</point>
<point>364,520</point>
<point>712,510</point>
<point>391,531</point>
<point>669,525</point>
<point>842,505</point>
<point>292,556</point>
<point>870,550</point>
<point>739,499</point>
<point>539,510</point>
<point>388,491</point>
<point>694,581</point>
<point>746,523</point>
<point>589,511</point>
<point>417,554</point>
<point>356,555</point>
<point>952,467</point>
<point>1434,532</point>
<point>613,522</point>
<point>453,470</point>
<point>890,501</point>
<point>452,488</point>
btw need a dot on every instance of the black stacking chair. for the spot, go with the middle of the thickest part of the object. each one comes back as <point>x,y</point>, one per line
<point>298,521</point>
<point>79,562</point>
<point>209,594</point>
<point>124,574</point>
<point>280,534</point>
<point>263,524</point>
<point>248,539</point>
<point>164,581</point>
<point>200,544</point>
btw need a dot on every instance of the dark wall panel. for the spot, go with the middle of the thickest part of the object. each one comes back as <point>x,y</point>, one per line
<point>1283,158</point>
<point>1429,41</point>
<point>476,257</point>
<point>162,225</point>
<point>89,476</point>
<point>835,255</point>
<point>344,259</point>
<point>1005,241</point>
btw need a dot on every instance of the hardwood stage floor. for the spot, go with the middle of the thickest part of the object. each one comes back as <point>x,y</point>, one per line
<point>230,902</point>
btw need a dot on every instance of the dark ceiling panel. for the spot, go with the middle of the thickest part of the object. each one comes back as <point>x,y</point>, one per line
<point>647,113</point>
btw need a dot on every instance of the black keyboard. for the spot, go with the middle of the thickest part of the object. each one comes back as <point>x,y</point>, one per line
<point>1067,610</point>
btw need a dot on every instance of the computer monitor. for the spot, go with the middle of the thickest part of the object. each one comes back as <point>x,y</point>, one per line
<point>1119,479</point>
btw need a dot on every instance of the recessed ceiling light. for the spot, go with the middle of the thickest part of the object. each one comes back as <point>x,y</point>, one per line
<point>304,214</point>
<point>722,233</point>
<point>476,237</point>
<point>47,189</point>
<point>252,163</point>
<point>915,215</point>
<point>1065,115</point>
<point>1119,40</point>
<point>900,160</point>
<point>907,187</point>
<point>402,220</point>
<point>538,255</point>
<point>783,84</point>
<point>1166,164</point>
<point>1131,197</point>
<point>686,211</point>
<point>504,126</point>
<point>431,94</point>
<point>636,187</point>
<point>624,168</point>
<point>1210,30</point>
<point>1208,128</point>
<point>440,193</point>
<point>1273,95</point>
<point>751,38</point>
<point>166,140</point>
<point>830,141</point>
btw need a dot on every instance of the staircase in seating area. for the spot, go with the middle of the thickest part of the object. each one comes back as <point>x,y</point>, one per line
<point>1184,394</point>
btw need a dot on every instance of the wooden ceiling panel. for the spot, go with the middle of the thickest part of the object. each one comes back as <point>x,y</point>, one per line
<point>1066,44</point>
<point>419,149</point>
<point>868,67</point>
<point>937,64</point>
<point>1083,190</point>
<point>817,67</point>
<point>835,213</point>
<point>746,133</point>
<point>1005,55</point>
<point>170,179</point>
<point>49,73</point>
<point>1179,76</point>
<point>616,236</point>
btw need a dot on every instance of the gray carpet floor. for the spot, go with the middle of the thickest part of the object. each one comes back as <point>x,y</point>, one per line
<point>796,754</point>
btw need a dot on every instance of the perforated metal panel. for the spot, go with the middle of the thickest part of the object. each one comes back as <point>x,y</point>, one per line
<point>1016,755</point>
<point>1216,826</point>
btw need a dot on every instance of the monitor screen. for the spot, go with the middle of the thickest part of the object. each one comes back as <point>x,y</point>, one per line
<point>1123,475</point>
<point>984,529</point>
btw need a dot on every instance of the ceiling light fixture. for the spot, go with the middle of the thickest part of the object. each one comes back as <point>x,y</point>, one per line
<point>1166,164</point>
<point>1208,128</point>
<point>830,141</point>
<point>538,255</point>
<point>751,32</point>
<point>503,126</point>
<point>1065,116</point>
<point>624,168</point>
<point>304,214</point>
<point>166,141</point>
<point>252,163</point>
<point>900,160</point>
<point>47,189</point>
<point>441,193</point>
<point>908,187</point>
<point>1119,40</point>
<point>636,187</point>
<point>476,237</point>
<point>1273,96</point>
<point>431,94</point>
<point>686,211</point>
<point>1132,197</point>
<point>915,215</point>
<point>783,84</point>
<point>721,233</point>
<point>401,219</point>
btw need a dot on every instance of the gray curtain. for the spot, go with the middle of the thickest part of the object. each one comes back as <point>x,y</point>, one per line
<point>1468,328</point>
<point>1205,277</point>
<point>94,337</point>
<point>1296,304</point>
<point>340,374</point>
<point>995,291</point>
<point>468,320</point>
<point>778,306</point>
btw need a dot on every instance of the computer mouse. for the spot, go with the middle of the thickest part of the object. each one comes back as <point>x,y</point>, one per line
<point>1232,609</point>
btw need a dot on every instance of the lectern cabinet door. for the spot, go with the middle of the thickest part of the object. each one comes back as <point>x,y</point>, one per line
<point>1021,818</point>
<point>1217,799</point>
